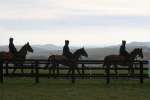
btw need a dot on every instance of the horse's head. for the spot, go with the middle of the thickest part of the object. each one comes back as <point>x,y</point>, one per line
<point>83,52</point>
<point>28,47</point>
<point>80,52</point>
<point>139,52</point>
<point>23,51</point>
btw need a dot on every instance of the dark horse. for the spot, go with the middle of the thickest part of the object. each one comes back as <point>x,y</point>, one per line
<point>71,63</point>
<point>121,60</point>
<point>19,56</point>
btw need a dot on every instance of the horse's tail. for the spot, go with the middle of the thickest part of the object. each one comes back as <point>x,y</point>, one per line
<point>50,60</point>
<point>105,61</point>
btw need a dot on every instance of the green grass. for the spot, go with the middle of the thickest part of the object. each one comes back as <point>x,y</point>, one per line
<point>86,71</point>
<point>51,89</point>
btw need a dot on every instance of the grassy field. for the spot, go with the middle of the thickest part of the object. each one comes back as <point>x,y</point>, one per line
<point>51,89</point>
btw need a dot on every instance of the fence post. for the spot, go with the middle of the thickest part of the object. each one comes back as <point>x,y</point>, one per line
<point>108,74</point>
<point>83,70</point>
<point>73,74</point>
<point>1,72</point>
<point>6,69</point>
<point>141,72</point>
<point>36,72</point>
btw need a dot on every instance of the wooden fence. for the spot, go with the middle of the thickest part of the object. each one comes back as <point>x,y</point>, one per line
<point>34,64</point>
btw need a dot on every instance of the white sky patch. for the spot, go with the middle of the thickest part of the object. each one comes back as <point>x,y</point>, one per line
<point>69,19</point>
<point>96,36</point>
<point>59,9</point>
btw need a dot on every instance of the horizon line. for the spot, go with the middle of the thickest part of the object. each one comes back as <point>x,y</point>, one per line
<point>77,45</point>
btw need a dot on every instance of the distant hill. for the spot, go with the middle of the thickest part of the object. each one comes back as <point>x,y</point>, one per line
<point>48,47</point>
<point>142,44</point>
<point>43,51</point>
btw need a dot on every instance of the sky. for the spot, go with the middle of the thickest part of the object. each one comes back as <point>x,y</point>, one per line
<point>83,22</point>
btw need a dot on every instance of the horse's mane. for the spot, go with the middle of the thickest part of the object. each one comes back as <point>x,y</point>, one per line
<point>78,50</point>
<point>22,48</point>
<point>133,50</point>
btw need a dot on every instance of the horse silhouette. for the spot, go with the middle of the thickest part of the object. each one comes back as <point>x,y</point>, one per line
<point>71,63</point>
<point>18,57</point>
<point>123,61</point>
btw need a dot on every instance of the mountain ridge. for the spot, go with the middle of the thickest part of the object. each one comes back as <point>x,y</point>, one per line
<point>43,51</point>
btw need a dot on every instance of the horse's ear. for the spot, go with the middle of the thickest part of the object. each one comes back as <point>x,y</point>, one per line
<point>27,42</point>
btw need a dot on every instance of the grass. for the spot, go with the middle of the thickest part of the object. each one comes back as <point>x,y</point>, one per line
<point>51,89</point>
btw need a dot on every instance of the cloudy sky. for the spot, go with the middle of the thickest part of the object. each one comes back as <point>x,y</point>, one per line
<point>83,22</point>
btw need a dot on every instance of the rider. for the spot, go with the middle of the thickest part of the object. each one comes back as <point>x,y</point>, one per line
<point>12,48</point>
<point>123,51</point>
<point>66,50</point>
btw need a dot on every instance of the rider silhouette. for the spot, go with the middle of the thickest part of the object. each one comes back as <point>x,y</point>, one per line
<point>123,51</point>
<point>12,48</point>
<point>66,50</point>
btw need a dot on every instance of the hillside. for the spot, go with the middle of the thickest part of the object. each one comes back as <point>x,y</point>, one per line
<point>43,51</point>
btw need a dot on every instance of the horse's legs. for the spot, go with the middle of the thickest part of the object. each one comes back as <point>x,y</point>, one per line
<point>22,70</point>
<point>50,69</point>
<point>32,67</point>
<point>73,74</point>
<point>57,69</point>
<point>135,66</point>
<point>32,71</point>
<point>129,68</point>
<point>16,65</point>
<point>78,70</point>
<point>53,69</point>
<point>107,65</point>
<point>21,65</point>
<point>132,69</point>
<point>70,69</point>
<point>108,73</point>
<point>46,66</point>
<point>116,70</point>
<point>14,69</point>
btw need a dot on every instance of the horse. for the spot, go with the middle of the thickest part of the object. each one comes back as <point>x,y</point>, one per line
<point>19,56</point>
<point>71,63</point>
<point>123,61</point>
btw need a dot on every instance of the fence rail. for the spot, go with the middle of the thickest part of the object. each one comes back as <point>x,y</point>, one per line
<point>34,64</point>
